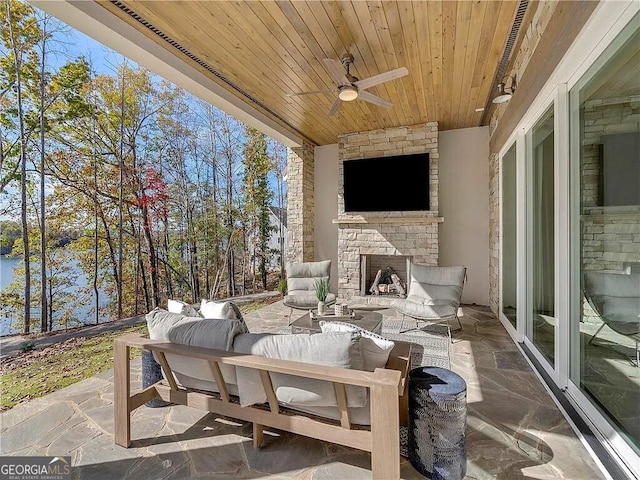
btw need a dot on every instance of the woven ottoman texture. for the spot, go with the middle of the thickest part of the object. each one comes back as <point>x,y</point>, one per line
<point>437,423</point>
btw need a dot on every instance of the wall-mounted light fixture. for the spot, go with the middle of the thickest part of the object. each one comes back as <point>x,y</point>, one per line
<point>505,90</point>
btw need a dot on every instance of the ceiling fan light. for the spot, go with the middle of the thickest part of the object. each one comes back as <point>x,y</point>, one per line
<point>348,93</point>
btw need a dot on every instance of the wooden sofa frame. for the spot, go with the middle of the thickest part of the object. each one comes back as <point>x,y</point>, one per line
<point>387,389</point>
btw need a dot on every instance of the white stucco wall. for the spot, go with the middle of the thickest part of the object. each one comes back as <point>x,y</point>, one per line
<point>326,208</point>
<point>464,204</point>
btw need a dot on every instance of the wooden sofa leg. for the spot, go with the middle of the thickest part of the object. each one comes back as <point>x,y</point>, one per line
<point>258,435</point>
<point>385,429</point>
<point>121,393</point>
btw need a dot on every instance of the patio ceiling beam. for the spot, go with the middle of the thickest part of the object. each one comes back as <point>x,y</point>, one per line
<point>103,26</point>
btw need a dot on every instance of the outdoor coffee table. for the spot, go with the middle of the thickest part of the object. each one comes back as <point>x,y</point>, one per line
<point>365,319</point>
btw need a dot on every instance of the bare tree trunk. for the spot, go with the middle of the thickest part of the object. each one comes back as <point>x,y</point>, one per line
<point>17,57</point>
<point>43,236</point>
<point>120,194</point>
<point>153,261</point>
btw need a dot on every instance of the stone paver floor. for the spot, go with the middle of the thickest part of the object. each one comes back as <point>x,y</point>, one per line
<point>514,428</point>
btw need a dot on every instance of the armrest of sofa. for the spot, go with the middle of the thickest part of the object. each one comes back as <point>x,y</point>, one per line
<point>400,359</point>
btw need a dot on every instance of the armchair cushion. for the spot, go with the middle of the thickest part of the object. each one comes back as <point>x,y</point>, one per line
<point>616,299</point>
<point>305,299</point>
<point>434,292</point>
<point>301,280</point>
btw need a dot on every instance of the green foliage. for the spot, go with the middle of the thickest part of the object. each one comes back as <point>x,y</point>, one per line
<point>27,346</point>
<point>321,289</point>
<point>257,166</point>
<point>282,286</point>
<point>10,231</point>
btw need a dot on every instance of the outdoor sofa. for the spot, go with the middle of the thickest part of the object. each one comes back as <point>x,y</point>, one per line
<point>315,388</point>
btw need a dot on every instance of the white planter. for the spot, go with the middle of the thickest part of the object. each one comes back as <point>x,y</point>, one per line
<point>322,308</point>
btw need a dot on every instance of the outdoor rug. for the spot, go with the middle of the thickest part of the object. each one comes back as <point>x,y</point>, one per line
<point>430,345</point>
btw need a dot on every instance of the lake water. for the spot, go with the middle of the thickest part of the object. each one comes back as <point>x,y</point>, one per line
<point>82,312</point>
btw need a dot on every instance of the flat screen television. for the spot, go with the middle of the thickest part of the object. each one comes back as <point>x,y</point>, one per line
<point>386,184</point>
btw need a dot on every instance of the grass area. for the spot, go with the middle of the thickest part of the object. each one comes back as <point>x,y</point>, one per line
<point>29,375</point>
<point>33,374</point>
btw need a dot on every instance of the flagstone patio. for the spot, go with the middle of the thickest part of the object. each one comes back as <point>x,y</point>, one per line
<point>514,430</point>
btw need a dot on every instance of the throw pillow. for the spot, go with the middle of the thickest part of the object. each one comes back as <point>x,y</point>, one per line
<point>177,306</point>
<point>375,349</point>
<point>226,310</point>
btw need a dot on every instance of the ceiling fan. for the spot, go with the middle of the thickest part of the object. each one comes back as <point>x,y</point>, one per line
<point>351,88</point>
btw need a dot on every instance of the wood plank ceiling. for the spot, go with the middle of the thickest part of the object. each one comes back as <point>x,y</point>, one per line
<point>271,49</point>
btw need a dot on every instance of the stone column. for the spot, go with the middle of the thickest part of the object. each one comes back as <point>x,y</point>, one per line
<point>300,204</point>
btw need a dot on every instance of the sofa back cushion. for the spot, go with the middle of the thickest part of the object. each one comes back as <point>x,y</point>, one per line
<point>340,349</point>
<point>197,332</point>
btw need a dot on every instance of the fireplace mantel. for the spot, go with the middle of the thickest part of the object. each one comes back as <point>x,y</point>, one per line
<point>352,221</point>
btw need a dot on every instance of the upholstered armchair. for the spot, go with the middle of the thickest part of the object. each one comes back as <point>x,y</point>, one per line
<point>301,279</point>
<point>615,297</point>
<point>434,295</point>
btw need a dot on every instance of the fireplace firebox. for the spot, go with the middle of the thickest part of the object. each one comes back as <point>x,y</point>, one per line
<point>385,275</point>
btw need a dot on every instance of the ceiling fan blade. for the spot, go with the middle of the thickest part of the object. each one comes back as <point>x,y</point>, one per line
<point>337,71</point>
<point>325,90</point>
<point>376,100</point>
<point>381,78</point>
<point>335,107</point>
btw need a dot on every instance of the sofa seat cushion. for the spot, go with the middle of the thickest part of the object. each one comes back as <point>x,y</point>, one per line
<point>197,332</point>
<point>303,299</point>
<point>375,349</point>
<point>341,349</point>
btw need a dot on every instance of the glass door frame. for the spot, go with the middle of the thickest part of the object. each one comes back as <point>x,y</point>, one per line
<point>525,278</point>
<point>517,139</point>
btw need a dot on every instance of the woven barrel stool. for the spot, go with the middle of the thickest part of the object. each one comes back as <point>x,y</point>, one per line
<point>437,423</point>
<point>151,374</point>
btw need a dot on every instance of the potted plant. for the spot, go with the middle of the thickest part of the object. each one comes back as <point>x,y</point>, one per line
<point>321,288</point>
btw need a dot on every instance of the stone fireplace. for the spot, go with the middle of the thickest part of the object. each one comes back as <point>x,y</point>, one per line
<point>409,235</point>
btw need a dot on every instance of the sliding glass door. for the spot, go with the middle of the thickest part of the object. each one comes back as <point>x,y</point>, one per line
<point>541,261</point>
<point>605,270</point>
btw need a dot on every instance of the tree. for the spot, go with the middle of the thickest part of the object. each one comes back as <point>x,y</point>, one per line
<point>10,231</point>
<point>278,154</point>
<point>20,36</point>
<point>257,166</point>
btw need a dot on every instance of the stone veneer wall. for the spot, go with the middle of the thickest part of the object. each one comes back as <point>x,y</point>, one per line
<point>419,240</point>
<point>300,204</point>
<point>530,42</point>
<point>611,234</point>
